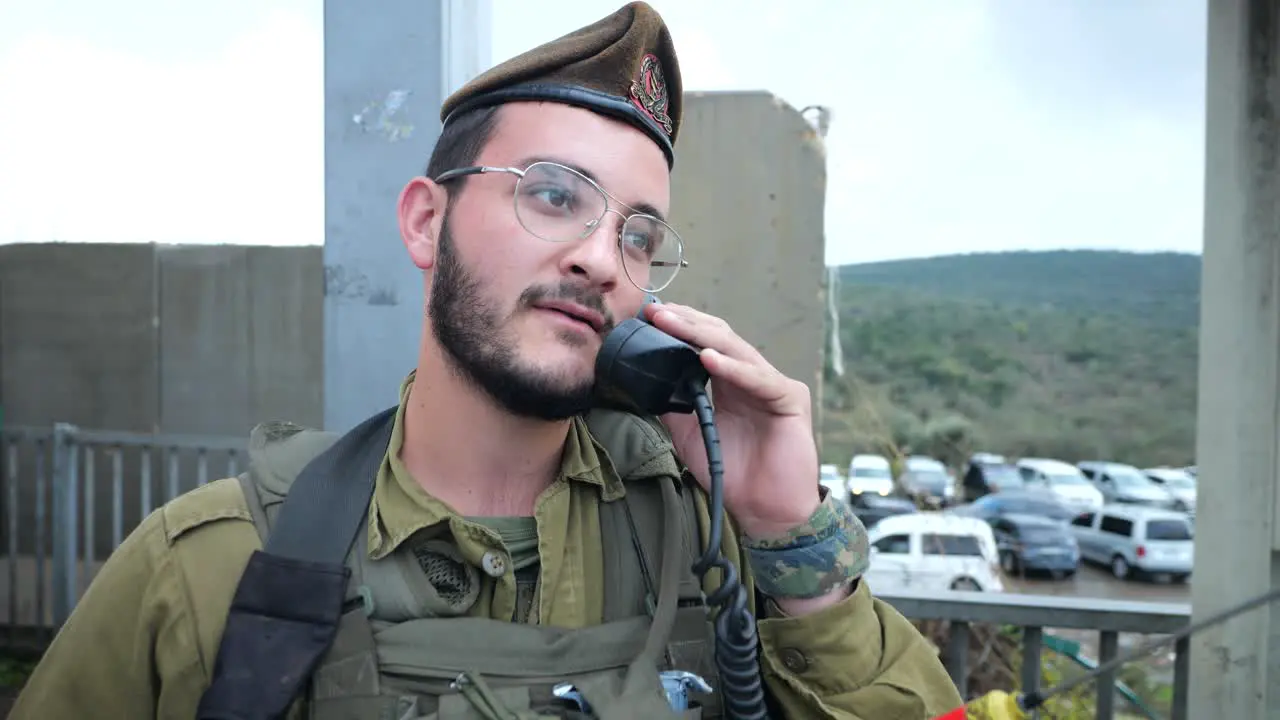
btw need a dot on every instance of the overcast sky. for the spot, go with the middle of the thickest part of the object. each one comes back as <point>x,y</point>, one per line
<point>958,125</point>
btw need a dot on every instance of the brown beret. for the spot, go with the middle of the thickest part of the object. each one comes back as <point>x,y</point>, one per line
<point>623,66</point>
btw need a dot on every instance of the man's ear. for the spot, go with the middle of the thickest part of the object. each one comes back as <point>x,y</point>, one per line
<point>421,211</point>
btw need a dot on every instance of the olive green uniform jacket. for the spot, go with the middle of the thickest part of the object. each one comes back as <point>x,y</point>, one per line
<point>142,640</point>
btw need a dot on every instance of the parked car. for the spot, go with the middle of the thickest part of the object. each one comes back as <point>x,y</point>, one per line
<point>1062,479</point>
<point>829,477</point>
<point>1035,543</point>
<point>932,551</point>
<point>987,474</point>
<point>1137,539</point>
<point>1022,501</point>
<point>871,509</point>
<point>870,475</point>
<point>927,481</point>
<point>1180,484</point>
<point>1120,483</point>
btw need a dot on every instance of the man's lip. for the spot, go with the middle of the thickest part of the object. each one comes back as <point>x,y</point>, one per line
<point>580,312</point>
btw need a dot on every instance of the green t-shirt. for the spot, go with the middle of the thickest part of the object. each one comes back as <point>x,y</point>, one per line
<point>519,534</point>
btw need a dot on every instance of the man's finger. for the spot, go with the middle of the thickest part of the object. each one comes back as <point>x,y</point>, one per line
<point>704,331</point>
<point>763,384</point>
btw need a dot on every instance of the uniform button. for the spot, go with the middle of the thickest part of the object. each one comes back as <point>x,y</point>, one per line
<point>494,564</point>
<point>794,660</point>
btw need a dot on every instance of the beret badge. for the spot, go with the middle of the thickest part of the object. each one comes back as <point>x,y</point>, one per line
<point>649,92</point>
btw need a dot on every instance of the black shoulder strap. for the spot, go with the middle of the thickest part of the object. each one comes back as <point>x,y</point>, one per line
<point>285,612</point>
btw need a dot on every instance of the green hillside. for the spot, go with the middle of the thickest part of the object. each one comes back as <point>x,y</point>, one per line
<point>1075,355</point>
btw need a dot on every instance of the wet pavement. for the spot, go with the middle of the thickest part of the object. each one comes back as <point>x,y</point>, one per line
<point>1097,582</point>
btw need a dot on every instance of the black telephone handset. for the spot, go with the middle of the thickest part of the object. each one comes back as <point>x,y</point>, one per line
<point>644,368</point>
<point>647,371</point>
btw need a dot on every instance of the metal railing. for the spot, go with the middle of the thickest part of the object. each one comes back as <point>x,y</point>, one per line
<point>1034,614</point>
<point>71,496</point>
<point>56,479</point>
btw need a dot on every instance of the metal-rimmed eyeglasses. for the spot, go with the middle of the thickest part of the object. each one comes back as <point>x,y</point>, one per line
<point>559,204</point>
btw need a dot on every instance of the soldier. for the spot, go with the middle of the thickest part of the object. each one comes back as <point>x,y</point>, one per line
<point>495,544</point>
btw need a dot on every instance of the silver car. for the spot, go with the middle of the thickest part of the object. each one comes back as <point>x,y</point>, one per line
<point>1178,483</point>
<point>1120,483</point>
<point>1134,539</point>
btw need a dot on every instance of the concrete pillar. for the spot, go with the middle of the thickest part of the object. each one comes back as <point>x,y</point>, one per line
<point>386,73</point>
<point>1235,668</point>
<point>752,224</point>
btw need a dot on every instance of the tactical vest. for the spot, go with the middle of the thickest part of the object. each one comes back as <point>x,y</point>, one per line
<point>402,650</point>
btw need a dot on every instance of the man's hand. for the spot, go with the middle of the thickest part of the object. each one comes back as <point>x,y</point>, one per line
<point>765,423</point>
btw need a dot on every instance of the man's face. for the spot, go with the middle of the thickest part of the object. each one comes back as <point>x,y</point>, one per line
<point>494,283</point>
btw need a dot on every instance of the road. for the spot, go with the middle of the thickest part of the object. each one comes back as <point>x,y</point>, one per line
<point>1092,581</point>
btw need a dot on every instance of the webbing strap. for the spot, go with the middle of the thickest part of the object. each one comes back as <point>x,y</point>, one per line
<point>286,609</point>
<point>320,516</point>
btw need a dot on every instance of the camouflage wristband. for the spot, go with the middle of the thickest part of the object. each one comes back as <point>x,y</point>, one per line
<point>828,551</point>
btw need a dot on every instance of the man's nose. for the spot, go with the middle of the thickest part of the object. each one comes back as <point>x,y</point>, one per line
<point>595,256</point>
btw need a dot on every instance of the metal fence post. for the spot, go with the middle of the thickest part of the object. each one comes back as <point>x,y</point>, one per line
<point>66,482</point>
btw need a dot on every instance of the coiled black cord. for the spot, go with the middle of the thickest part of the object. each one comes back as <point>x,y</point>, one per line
<point>737,647</point>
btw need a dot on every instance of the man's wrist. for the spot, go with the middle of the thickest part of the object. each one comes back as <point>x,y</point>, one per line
<point>773,531</point>
<point>783,607</point>
<point>814,559</point>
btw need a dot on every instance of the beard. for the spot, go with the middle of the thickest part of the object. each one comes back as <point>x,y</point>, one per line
<point>470,330</point>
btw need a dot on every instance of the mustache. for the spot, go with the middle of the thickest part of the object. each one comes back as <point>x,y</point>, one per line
<point>568,292</point>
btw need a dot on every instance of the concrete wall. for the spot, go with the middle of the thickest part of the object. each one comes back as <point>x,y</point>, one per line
<point>240,339</point>
<point>748,198</point>
<point>165,339</point>
<point>78,337</point>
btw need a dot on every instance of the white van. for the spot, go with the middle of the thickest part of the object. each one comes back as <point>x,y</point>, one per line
<point>829,477</point>
<point>870,475</point>
<point>933,551</point>
<point>1063,480</point>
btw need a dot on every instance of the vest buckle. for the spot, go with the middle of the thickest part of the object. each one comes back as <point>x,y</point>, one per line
<point>567,692</point>
<point>678,683</point>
